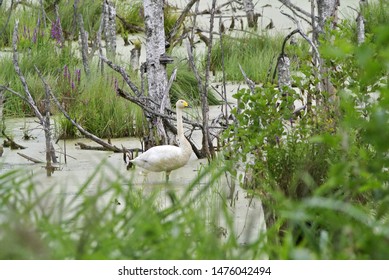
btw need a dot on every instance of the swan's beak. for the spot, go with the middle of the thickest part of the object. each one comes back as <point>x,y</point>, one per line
<point>186,105</point>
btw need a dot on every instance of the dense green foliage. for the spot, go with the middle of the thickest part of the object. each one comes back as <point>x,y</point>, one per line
<point>324,178</point>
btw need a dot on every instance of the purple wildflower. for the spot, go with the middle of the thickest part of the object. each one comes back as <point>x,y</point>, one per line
<point>56,31</point>
<point>73,85</point>
<point>24,31</point>
<point>35,35</point>
<point>65,72</point>
<point>78,75</point>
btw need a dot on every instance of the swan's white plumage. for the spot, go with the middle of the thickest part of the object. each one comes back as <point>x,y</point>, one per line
<point>167,157</point>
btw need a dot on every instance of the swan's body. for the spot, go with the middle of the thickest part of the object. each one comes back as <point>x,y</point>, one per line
<point>167,157</point>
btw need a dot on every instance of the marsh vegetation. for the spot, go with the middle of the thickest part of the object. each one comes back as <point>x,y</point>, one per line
<point>304,132</point>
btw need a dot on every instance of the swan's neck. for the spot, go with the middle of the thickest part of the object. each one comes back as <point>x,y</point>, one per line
<point>184,143</point>
<point>180,126</point>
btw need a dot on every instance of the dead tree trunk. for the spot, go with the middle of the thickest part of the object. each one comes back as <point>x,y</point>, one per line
<point>327,12</point>
<point>207,143</point>
<point>83,44</point>
<point>361,22</point>
<point>156,71</point>
<point>135,55</point>
<point>109,27</point>
<point>43,120</point>
<point>251,17</point>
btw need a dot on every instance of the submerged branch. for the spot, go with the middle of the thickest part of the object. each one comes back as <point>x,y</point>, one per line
<point>30,158</point>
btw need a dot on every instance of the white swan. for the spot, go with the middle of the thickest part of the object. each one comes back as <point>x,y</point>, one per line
<point>167,157</point>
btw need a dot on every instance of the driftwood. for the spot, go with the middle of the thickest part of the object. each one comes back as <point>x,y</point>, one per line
<point>94,148</point>
<point>11,143</point>
<point>30,158</point>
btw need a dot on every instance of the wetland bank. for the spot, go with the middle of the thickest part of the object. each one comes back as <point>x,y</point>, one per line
<point>320,174</point>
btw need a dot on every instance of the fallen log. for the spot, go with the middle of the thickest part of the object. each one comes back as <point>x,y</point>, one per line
<point>30,158</point>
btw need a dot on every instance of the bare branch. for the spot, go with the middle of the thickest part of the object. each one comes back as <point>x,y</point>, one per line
<point>122,72</point>
<point>249,82</point>
<point>179,21</point>
<point>295,8</point>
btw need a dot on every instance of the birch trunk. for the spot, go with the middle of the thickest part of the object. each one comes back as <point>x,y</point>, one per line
<point>156,71</point>
<point>109,23</point>
<point>43,120</point>
<point>135,56</point>
<point>284,79</point>
<point>327,10</point>
<point>361,23</point>
<point>249,9</point>
<point>84,44</point>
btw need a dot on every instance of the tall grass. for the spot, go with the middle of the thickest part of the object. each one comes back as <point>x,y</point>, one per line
<point>186,86</point>
<point>94,104</point>
<point>45,224</point>
<point>257,54</point>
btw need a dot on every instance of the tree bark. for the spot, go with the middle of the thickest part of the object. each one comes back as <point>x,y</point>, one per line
<point>43,120</point>
<point>251,17</point>
<point>327,10</point>
<point>156,71</point>
<point>361,23</point>
<point>109,27</point>
<point>84,44</point>
<point>135,55</point>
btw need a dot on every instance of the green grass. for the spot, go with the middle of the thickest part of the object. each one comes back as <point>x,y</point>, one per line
<point>95,105</point>
<point>186,86</point>
<point>134,14</point>
<point>37,223</point>
<point>257,54</point>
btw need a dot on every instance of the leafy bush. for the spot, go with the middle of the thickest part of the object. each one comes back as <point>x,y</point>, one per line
<point>323,180</point>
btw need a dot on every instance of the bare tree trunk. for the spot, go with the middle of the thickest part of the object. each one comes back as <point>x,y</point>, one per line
<point>251,17</point>
<point>361,23</point>
<point>327,10</point>
<point>50,154</point>
<point>156,71</point>
<point>135,56</point>
<point>43,120</point>
<point>109,23</point>
<point>284,80</point>
<point>207,144</point>
<point>84,44</point>
<point>99,43</point>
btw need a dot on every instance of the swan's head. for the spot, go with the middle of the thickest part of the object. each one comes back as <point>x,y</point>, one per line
<point>182,104</point>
